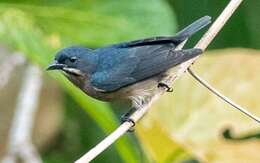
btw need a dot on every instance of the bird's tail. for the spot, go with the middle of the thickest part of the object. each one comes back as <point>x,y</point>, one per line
<point>193,28</point>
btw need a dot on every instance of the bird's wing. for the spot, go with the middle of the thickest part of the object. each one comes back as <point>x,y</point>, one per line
<point>175,40</point>
<point>127,66</point>
<point>134,61</point>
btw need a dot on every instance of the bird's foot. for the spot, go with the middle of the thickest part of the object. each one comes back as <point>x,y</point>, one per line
<point>126,118</point>
<point>168,88</point>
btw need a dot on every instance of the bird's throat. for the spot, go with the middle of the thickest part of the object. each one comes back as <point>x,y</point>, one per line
<point>72,71</point>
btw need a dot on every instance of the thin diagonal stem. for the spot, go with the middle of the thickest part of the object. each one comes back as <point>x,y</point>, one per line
<point>202,44</point>
<point>220,95</point>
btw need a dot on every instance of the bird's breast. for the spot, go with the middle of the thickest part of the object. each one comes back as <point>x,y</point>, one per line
<point>132,92</point>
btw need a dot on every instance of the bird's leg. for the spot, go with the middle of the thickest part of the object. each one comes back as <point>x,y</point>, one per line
<point>138,102</point>
<point>168,88</point>
<point>126,118</point>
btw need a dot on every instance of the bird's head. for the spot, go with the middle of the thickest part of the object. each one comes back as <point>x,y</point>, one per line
<point>76,61</point>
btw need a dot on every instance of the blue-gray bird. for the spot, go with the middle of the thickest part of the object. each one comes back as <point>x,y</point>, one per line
<point>129,70</point>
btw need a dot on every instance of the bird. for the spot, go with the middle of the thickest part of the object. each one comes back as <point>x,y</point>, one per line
<point>130,70</point>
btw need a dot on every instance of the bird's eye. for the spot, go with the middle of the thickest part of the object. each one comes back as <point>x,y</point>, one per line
<point>73,59</point>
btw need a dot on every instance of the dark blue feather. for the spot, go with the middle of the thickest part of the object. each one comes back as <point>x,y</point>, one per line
<point>119,67</point>
<point>123,64</point>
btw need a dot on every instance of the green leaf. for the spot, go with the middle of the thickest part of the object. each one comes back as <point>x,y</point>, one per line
<point>84,23</point>
<point>196,118</point>
<point>158,143</point>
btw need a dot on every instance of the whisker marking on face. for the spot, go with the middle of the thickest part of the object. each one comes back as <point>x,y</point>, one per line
<point>73,71</point>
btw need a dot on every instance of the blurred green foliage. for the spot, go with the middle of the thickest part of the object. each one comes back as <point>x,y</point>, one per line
<point>96,23</point>
<point>242,30</point>
<point>40,28</point>
<point>78,132</point>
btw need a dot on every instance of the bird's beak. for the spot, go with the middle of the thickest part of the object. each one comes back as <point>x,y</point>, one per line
<point>55,66</point>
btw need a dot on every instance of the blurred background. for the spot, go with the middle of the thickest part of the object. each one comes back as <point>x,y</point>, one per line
<point>189,125</point>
